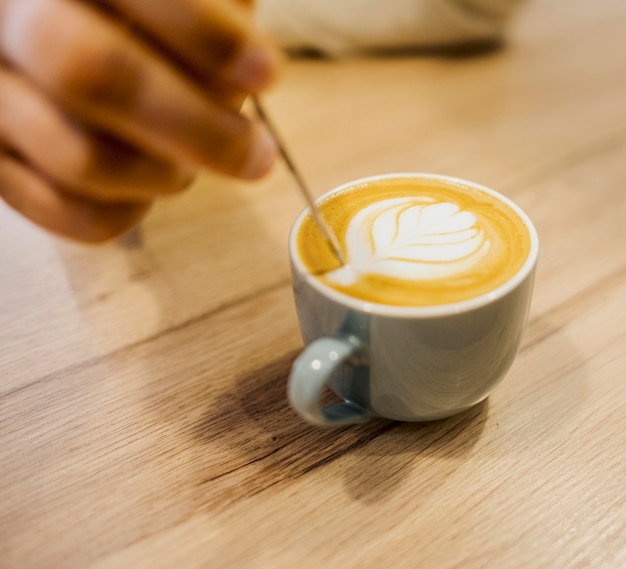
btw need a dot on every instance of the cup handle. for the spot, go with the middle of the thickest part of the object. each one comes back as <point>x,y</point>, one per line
<point>312,370</point>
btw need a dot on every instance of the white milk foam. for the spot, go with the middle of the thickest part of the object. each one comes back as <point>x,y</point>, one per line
<point>411,239</point>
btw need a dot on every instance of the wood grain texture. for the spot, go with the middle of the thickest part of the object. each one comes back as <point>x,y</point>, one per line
<point>143,416</point>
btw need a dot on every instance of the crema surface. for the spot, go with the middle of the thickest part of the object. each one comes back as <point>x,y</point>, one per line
<point>416,242</point>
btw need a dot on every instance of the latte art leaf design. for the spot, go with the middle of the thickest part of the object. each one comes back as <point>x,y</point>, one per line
<point>411,239</point>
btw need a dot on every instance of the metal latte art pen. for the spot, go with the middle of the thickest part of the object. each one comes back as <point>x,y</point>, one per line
<point>327,232</point>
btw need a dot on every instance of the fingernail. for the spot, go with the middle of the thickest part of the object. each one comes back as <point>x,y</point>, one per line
<point>262,155</point>
<point>254,68</point>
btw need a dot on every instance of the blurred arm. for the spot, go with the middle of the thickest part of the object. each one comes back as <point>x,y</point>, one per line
<point>344,26</point>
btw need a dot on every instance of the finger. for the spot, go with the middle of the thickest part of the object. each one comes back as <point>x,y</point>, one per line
<point>211,36</point>
<point>38,200</point>
<point>81,161</point>
<point>107,78</point>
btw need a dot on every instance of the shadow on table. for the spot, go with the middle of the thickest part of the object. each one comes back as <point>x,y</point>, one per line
<point>373,459</point>
<point>255,419</point>
<point>459,50</point>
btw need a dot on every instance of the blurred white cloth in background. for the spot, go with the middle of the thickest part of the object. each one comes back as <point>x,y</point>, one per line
<point>342,26</point>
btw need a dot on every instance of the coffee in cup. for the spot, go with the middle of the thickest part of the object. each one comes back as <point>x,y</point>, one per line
<point>416,241</point>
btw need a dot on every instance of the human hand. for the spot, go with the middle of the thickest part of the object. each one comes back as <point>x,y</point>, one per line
<point>99,116</point>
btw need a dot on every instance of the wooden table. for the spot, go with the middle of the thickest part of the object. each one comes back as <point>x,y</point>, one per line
<point>143,416</point>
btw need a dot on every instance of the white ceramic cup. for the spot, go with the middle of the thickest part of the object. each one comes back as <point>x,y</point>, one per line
<point>404,363</point>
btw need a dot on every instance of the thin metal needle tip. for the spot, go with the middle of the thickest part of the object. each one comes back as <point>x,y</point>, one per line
<point>327,232</point>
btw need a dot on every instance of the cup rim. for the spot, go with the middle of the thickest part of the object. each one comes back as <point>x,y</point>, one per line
<point>417,311</point>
